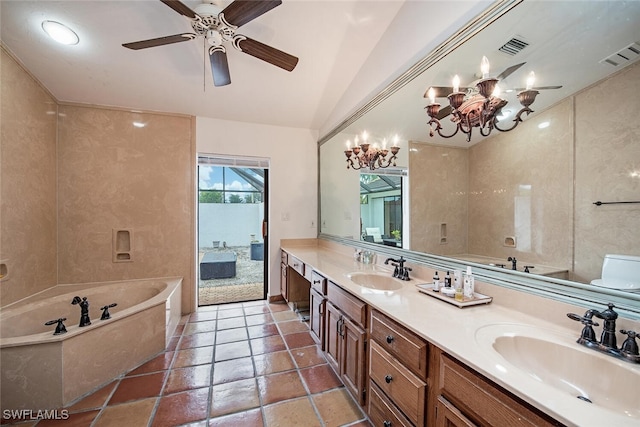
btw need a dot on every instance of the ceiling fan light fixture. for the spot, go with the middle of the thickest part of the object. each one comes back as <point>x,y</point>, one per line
<point>60,32</point>
<point>214,38</point>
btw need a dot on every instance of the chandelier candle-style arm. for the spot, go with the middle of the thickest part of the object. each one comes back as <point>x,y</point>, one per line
<point>372,157</point>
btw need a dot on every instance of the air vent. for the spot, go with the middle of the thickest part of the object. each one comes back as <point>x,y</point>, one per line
<point>624,56</point>
<point>513,46</point>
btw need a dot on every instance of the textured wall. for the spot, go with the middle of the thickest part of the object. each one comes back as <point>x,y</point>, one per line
<point>438,188</point>
<point>113,175</point>
<point>607,169</point>
<point>28,181</point>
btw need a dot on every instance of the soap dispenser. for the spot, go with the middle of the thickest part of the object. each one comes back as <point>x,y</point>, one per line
<point>436,282</point>
<point>447,280</point>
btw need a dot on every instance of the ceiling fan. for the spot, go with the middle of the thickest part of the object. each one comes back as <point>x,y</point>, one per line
<point>444,91</point>
<point>218,26</point>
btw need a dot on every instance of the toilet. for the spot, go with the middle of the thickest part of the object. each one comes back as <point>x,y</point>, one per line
<point>620,272</point>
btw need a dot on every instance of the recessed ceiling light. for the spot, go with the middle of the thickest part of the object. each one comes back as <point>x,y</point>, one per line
<point>60,33</point>
<point>543,125</point>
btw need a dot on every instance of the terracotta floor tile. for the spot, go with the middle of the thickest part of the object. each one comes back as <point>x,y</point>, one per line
<point>193,356</point>
<point>261,302</point>
<point>181,408</point>
<point>134,388</point>
<point>293,326</point>
<point>298,412</point>
<point>257,309</point>
<point>270,363</point>
<point>198,327</point>
<point>173,344</point>
<point>188,378</point>
<point>232,350</point>
<point>135,413</point>
<point>200,316</point>
<point>234,397</point>
<point>234,312</point>
<point>230,306</point>
<point>233,370</point>
<point>281,386</point>
<point>234,322</point>
<point>259,319</point>
<point>336,408</point>
<point>278,306</point>
<point>320,378</point>
<point>299,339</point>
<point>308,356</point>
<point>231,335</point>
<point>197,340</point>
<point>262,330</point>
<point>284,316</point>
<point>267,344</point>
<point>95,400</point>
<point>363,423</point>
<point>183,319</point>
<point>178,331</point>
<point>81,419</point>
<point>159,363</point>
<point>252,418</point>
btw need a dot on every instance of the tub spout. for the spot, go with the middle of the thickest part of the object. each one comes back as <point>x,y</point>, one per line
<point>84,310</point>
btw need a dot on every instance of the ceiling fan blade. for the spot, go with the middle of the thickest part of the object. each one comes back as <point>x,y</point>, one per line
<point>160,41</point>
<point>443,91</point>
<point>267,53</point>
<point>444,112</point>
<point>219,67</point>
<point>180,7</point>
<point>239,12</point>
<point>506,73</point>
<point>539,88</point>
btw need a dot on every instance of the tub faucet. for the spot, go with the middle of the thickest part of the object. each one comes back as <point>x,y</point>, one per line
<point>105,311</point>
<point>84,310</point>
<point>60,328</point>
<point>513,262</point>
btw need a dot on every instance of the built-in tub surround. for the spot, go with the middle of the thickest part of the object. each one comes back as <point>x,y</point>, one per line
<point>40,370</point>
<point>454,330</point>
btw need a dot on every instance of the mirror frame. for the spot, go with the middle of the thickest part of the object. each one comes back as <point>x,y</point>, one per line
<point>575,293</point>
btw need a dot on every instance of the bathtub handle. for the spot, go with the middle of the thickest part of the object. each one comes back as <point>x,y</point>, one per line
<point>60,328</point>
<point>105,311</point>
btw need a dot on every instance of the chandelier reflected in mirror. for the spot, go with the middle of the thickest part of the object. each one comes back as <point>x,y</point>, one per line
<point>482,109</point>
<point>366,155</point>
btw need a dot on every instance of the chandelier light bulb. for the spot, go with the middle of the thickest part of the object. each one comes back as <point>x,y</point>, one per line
<point>496,92</point>
<point>364,137</point>
<point>456,84</point>
<point>395,141</point>
<point>484,67</point>
<point>531,80</point>
<point>60,32</point>
<point>432,95</point>
<point>348,144</point>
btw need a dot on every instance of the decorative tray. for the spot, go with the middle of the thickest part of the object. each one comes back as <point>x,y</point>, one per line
<point>427,288</point>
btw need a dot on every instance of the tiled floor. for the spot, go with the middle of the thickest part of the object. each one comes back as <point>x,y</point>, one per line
<point>242,364</point>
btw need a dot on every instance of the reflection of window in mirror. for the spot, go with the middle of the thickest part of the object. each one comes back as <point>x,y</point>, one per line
<point>381,207</point>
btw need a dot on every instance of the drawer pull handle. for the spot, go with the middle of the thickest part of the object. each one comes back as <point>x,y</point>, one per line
<point>389,339</point>
<point>386,423</point>
<point>388,378</point>
<point>316,282</point>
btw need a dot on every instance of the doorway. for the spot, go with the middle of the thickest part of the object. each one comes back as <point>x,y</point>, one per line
<point>232,229</point>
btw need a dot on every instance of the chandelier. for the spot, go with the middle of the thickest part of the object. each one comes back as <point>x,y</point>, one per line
<point>370,156</point>
<point>480,110</point>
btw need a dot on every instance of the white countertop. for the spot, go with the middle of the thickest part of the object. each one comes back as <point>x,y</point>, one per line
<point>454,330</point>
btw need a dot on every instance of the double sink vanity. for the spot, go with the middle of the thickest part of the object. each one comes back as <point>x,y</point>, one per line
<point>412,360</point>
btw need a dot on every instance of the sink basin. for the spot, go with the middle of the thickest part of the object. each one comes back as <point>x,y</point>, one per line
<point>558,361</point>
<point>380,281</point>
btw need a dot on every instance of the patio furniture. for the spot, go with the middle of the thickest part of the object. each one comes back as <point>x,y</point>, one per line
<point>218,265</point>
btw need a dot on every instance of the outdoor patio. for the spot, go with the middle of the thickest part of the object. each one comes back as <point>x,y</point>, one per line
<point>247,285</point>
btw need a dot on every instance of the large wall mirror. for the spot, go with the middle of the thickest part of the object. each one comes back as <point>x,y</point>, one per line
<point>528,193</point>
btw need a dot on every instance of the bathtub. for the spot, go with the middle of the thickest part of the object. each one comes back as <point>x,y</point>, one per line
<point>40,370</point>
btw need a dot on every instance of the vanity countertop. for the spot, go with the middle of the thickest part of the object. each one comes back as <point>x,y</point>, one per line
<point>455,330</point>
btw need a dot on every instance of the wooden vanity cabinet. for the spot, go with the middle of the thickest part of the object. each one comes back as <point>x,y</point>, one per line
<point>346,339</point>
<point>294,286</point>
<point>467,398</point>
<point>317,308</point>
<point>398,369</point>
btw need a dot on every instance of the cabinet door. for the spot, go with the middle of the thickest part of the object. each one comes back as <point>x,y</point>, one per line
<point>448,415</point>
<point>316,317</point>
<point>352,359</point>
<point>333,333</point>
<point>283,281</point>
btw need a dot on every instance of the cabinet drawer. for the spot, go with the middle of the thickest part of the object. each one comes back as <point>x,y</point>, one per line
<point>382,412</point>
<point>405,389</point>
<point>406,346</point>
<point>319,282</point>
<point>354,308</point>
<point>480,399</point>
<point>296,264</point>
<point>284,257</point>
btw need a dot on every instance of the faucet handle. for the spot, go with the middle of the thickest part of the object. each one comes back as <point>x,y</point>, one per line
<point>587,334</point>
<point>630,346</point>
<point>60,328</point>
<point>586,320</point>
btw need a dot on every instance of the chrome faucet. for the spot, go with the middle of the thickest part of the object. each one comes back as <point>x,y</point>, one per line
<point>607,344</point>
<point>84,310</point>
<point>400,271</point>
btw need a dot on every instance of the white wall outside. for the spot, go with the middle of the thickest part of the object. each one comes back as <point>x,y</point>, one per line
<point>232,223</point>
